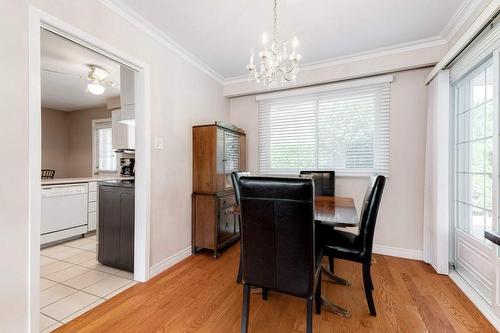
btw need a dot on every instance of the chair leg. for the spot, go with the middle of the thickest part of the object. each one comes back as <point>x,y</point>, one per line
<point>265,293</point>
<point>317,296</point>
<point>330,264</point>
<point>240,272</point>
<point>368,286</point>
<point>246,308</point>
<point>309,324</point>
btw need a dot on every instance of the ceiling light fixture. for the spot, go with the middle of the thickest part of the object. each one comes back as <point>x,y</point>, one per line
<point>97,76</point>
<point>95,88</point>
<point>276,65</point>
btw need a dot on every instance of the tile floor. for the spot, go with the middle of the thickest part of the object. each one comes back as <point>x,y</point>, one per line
<point>73,282</point>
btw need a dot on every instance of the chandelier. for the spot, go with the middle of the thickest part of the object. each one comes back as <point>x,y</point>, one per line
<point>276,63</point>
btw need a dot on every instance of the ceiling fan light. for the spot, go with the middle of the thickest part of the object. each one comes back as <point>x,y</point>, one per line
<point>95,88</point>
<point>98,72</point>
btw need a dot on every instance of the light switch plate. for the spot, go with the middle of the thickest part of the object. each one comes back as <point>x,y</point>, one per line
<point>159,143</point>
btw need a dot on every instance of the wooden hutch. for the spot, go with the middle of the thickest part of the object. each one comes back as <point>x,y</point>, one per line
<point>218,150</point>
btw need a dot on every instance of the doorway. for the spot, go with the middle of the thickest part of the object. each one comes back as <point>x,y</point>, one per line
<point>40,20</point>
<point>475,198</point>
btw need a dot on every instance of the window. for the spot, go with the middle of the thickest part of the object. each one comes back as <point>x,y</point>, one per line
<point>473,100</point>
<point>104,156</point>
<point>345,129</point>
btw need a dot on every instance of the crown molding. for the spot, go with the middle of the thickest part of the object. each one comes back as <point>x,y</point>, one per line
<point>146,27</point>
<point>366,55</point>
<point>459,18</point>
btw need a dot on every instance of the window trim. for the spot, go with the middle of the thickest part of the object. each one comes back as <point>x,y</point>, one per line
<point>94,170</point>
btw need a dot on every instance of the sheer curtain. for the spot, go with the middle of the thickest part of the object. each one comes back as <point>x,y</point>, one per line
<point>437,174</point>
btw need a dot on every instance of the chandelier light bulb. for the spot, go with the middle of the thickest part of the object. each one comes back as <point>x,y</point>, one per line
<point>264,38</point>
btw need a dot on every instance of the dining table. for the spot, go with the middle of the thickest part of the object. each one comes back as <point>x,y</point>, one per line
<point>337,212</point>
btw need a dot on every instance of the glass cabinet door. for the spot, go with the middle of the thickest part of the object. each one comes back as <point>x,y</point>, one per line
<point>231,156</point>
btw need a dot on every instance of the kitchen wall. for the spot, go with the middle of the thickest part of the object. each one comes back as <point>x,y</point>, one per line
<point>80,140</point>
<point>55,141</point>
<point>67,141</point>
<point>181,95</point>
<point>400,223</point>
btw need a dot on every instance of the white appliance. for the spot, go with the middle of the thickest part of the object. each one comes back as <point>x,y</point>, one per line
<point>64,211</point>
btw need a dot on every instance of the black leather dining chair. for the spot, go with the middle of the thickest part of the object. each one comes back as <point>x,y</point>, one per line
<point>235,178</point>
<point>278,240</point>
<point>324,185</point>
<point>357,248</point>
<point>324,182</point>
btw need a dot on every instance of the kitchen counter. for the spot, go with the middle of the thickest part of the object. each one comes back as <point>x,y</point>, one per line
<point>118,183</point>
<point>83,179</point>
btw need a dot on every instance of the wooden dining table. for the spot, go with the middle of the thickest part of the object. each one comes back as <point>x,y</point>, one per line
<point>335,211</point>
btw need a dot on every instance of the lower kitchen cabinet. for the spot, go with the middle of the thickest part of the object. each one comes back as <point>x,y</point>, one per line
<point>116,225</point>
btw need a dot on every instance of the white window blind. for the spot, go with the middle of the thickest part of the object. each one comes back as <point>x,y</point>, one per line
<point>345,130</point>
<point>105,156</point>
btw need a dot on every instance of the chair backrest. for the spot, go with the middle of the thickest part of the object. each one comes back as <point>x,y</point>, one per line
<point>277,236</point>
<point>324,181</point>
<point>368,217</point>
<point>235,178</point>
<point>48,173</point>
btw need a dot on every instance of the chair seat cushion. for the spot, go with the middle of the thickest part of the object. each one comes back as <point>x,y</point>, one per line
<point>342,245</point>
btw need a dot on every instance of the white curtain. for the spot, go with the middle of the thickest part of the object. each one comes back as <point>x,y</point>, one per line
<point>437,174</point>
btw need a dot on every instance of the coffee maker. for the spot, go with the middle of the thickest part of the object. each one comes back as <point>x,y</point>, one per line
<point>127,166</point>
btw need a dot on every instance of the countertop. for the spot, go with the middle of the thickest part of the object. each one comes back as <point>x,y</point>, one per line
<point>84,179</point>
<point>118,183</point>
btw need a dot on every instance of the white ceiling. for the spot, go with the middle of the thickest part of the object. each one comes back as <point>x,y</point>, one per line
<point>221,32</point>
<point>69,92</point>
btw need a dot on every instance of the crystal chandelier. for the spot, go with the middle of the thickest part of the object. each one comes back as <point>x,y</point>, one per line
<point>276,63</point>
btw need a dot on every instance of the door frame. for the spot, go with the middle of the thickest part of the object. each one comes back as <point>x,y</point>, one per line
<point>39,19</point>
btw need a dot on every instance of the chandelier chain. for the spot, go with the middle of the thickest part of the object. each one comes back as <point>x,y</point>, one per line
<point>275,33</point>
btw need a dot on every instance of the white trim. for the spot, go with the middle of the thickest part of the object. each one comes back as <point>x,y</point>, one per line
<point>326,87</point>
<point>476,299</point>
<point>140,22</point>
<point>458,19</point>
<point>366,55</point>
<point>466,38</point>
<point>170,261</point>
<point>38,19</point>
<point>397,252</point>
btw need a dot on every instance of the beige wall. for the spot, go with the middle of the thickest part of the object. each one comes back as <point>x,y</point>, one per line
<point>80,140</point>
<point>67,141</point>
<point>181,96</point>
<point>55,141</point>
<point>400,220</point>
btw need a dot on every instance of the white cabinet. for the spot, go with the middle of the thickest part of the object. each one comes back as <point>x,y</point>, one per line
<point>123,134</point>
<point>92,206</point>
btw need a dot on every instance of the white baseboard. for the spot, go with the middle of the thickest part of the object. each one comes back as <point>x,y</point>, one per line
<point>169,262</point>
<point>397,252</point>
<point>475,298</point>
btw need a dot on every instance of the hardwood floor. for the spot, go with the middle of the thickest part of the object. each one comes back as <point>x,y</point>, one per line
<point>200,294</point>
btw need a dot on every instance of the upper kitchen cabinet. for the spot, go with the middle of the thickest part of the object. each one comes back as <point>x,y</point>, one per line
<point>123,117</point>
<point>218,150</point>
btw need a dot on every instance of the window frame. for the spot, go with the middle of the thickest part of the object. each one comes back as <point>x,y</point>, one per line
<point>319,93</point>
<point>465,83</point>
<point>95,124</point>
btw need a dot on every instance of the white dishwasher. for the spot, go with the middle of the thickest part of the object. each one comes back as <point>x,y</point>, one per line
<point>64,211</point>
